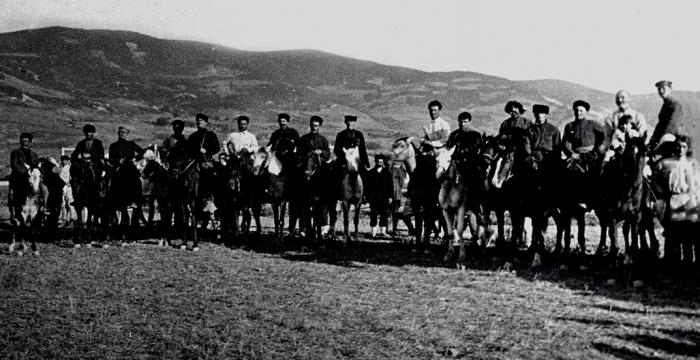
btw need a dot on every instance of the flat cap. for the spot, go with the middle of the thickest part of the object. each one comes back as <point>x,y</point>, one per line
<point>350,118</point>
<point>663,83</point>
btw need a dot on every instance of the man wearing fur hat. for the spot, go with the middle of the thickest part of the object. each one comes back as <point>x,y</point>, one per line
<point>516,119</point>
<point>583,143</point>
<point>89,145</point>
<point>545,138</point>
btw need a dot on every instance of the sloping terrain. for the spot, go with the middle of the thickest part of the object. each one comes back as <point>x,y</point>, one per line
<point>66,77</point>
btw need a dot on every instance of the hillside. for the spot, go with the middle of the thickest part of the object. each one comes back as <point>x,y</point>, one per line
<point>53,80</point>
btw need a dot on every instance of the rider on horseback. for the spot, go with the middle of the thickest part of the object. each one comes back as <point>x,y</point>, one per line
<point>127,177</point>
<point>583,144</point>
<point>437,130</point>
<point>21,161</point>
<point>347,139</point>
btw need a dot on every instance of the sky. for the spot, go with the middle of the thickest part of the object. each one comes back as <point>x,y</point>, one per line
<point>608,45</point>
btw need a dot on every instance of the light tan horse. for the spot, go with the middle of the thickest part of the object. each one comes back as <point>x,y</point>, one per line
<point>29,203</point>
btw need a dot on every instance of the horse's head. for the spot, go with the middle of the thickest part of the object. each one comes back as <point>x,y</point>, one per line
<point>404,151</point>
<point>352,159</point>
<point>261,160</point>
<point>34,179</point>
<point>443,159</point>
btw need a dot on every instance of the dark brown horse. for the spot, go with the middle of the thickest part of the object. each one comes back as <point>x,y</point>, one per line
<point>423,187</point>
<point>622,199</point>
<point>90,182</point>
<point>320,198</point>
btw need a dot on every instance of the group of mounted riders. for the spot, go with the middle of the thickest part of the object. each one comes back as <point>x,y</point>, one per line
<point>528,169</point>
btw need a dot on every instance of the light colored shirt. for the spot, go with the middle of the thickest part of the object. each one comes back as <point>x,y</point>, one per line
<point>242,140</point>
<point>638,122</point>
<point>436,132</point>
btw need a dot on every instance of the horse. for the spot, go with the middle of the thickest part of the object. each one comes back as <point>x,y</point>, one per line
<point>187,201</point>
<point>499,188</point>
<point>90,183</point>
<point>423,187</point>
<point>229,194</point>
<point>351,191</point>
<point>622,199</point>
<point>263,182</point>
<point>319,196</point>
<point>29,197</point>
<point>154,186</point>
<point>452,198</point>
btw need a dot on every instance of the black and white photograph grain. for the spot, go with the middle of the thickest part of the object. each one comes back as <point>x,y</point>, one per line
<point>349,179</point>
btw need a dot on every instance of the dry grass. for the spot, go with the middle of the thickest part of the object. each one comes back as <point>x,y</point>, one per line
<point>371,301</point>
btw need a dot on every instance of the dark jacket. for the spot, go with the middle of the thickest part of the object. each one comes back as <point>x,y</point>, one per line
<point>283,140</point>
<point>670,121</point>
<point>545,140</point>
<point>206,139</point>
<point>466,144</point>
<point>310,142</point>
<point>349,138</point>
<point>21,157</point>
<point>96,150</point>
<point>123,149</point>
<point>380,185</point>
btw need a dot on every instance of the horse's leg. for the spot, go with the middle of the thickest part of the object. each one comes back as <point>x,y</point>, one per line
<point>358,205</point>
<point>500,219</point>
<point>448,215</point>
<point>567,233</point>
<point>257,210</point>
<point>648,228</point>
<point>333,217</point>
<point>346,222</point>
<point>275,218</point>
<point>461,212</point>
<point>603,235</point>
<point>195,233</point>
<point>581,225</point>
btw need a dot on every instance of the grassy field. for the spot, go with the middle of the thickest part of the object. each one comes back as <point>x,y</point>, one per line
<point>372,300</point>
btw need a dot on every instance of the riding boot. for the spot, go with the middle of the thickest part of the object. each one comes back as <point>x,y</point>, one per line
<point>382,231</point>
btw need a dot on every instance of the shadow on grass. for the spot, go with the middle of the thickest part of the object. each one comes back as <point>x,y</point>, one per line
<point>676,289</point>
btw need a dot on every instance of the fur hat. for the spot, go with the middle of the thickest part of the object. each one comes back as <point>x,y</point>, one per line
<point>578,103</point>
<point>514,104</point>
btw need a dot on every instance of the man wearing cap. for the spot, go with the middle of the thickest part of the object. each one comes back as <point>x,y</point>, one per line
<point>437,130</point>
<point>638,122</point>
<point>284,142</point>
<point>314,142</point>
<point>545,142</point>
<point>670,116</point>
<point>203,144</point>
<point>123,150</point>
<point>21,160</point>
<point>515,121</point>
<point>89,145</point>
<point>545,138</point>
<point>350,138</point>
<point>173,149</point>
<point>241,141</point>
<point>380,189</point>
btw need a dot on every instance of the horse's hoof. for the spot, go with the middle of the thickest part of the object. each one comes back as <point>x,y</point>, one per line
<point>628,260</point>
<point>564,267</point>
<point>508,266</point>
<point>638,284</point>
<point>195,249</point>
<point>426,252</point>
<point>611,282</point>
<point>20,253</point>
<point>414,251</point>
<point>122,244</point>
<point>461,267</point>
<point>76,246</point>
<point>536,261</point>
<point>183,247</point>
<point>35,253</point>
<point>105,246</point>
<point>583,268</point>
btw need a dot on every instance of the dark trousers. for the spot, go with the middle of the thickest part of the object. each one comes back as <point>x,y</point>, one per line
<point>381,209</point>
